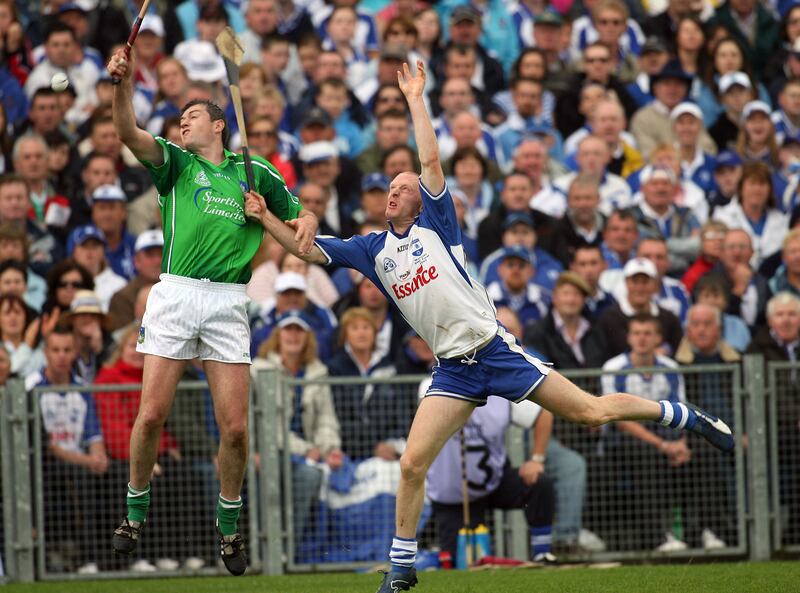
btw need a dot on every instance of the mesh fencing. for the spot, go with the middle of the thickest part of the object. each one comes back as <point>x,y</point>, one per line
<point>784,422</point>
<point>81,500</point>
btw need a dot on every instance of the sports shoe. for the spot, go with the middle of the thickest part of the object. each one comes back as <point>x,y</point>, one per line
<point>671,544</point>
<point>714,430</point>
<point>194,563</point>
<point>126,536</point>
<point>167,564</point>
<point>143,565</point>
<point>89,568</point>
<point>711,541</point>
<point>546,558</point>
<point>590,541</point>
<point>396,580</point>
<point>231,550</point>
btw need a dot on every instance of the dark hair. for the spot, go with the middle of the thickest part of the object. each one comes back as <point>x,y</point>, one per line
<point>54,277</point>
<point>515,69</point>
<point>62,328</point>
<point>13,232</point>
<point>59,27</point>
<point>758,171</point>
<point>9,178</point>
<point>470,152</point>
<point>271,39</point>
<point>646,318</point>
<point>99,120</point>
<point>55,138</point>
<point>215,113</point>
<point>213,12</point>
<point>713,283</point>
<point>12,264</point>
<point>623,214</point>
<point>516,173</point>
<point>336,83</point>
<point>13,299</point>
<point>44,91</point>
<point>518,81</point>
<point>406,22</point>
<point>95,155</point>
<point>309,39</point>
<point>397,148</point>
<point>462,50</point>
<point>586,247</point>
<point>381,89</point>
<point>393,114</point>
<point>168,123</point>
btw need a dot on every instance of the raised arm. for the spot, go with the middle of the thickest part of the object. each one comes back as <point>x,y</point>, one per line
<point>142,144</point>
<point>413,88</point>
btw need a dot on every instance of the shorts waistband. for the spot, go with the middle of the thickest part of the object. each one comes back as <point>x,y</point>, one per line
<point>204,284</point>
<point>472,353</point>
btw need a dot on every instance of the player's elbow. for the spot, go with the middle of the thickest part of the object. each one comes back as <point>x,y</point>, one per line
<point>592,413</point>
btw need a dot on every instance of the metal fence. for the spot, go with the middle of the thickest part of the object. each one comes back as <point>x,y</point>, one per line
<point>620,496</point>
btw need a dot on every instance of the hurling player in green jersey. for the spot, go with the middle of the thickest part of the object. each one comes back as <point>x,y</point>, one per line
<point>198,309</point>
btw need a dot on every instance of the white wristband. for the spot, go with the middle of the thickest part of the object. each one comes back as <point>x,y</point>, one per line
<point>538,458</point>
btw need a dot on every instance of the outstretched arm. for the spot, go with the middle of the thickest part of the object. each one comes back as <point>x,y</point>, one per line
<point>413,88</point>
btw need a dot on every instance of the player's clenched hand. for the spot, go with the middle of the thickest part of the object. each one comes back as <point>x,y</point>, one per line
<point>305,229</point>
<point>530,472</point>
<point>118,66</point>
<point>254,206</point>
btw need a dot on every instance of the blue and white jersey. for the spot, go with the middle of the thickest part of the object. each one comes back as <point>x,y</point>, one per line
<point>584,33</point>
<point>523,20</point>
<point>671,296</point>
<point>365,38</point>
<point>69,418</point>
<point>486,144</point>
<point>655,387</point>
<point>784,128</point>
<point>423,272</point>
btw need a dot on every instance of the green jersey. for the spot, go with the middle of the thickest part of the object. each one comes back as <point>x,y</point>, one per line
<point>206,233</point>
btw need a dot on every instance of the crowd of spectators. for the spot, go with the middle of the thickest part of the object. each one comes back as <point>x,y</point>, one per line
<point>612,163</point>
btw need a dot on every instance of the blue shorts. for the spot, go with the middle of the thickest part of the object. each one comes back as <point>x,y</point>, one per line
<point>500,368</point>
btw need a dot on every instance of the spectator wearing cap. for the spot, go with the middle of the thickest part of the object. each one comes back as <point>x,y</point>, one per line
<point>64,55</point>
<point>518,188</point>
<point>109,212</point>
<point>15,204</point>
<point>597,68</point>
<point>527,119</point>
<point>321,166</point>
<point>696,164</point>
<point>314,436</point>
<point>653,58</point>
<point>320,288</point>
<point>392,130</point>
<point>544,30</point>
<point>727,173</point>
<point>263,137</point>
<point>332,97</point>
<point>564,336</point>
<point>148,250</point>
<point>651,126</point>
<point>149,52</point>
<point>588,263</point>
<point>593,157</point>
<point>787,119</point>
<point>515,287</point>
<point>641,281</point>
<point>664,25</point>
<point>756,140</point>
<point>608,22</point>
<point>290,295</point>
<point>582,223</point>
<point>753,26</point>
<point>518,231</point>
<point>755,212</point>
<point>498,33</point>
<point>374,189</point>
<point>86,245</point>
<point>188,13</point>
<point>712,237</point>
<point>735,91</point>
<point>658,216</point>
<point>93,343</point>
<point>75,17</point>
<point>30,158</point>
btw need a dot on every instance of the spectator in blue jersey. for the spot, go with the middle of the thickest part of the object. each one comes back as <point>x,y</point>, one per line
<point>491,480</point>
<point>648,461</point>
<point>641,282</point>
<point>374,418</point>
<point>787,119</point>
<point>466,130</point>
<point>527,119</point>
<point>290,295</point>
<point>109,213</point>
<point>331,96</point>
<point>727,174</point>
<point>515,288</point>
<point>672,295</point>
<point>620,236</point>
<point>608,22</point>
<point>313,427</point>
<point>582,223</point>
<point>787,276</point>
<point>697,165</point>
<point>173,87</point>
<point>74,456</point>
<point>589,264</point>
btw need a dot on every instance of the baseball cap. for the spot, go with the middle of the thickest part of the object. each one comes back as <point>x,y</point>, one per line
<point>727,158</point>
<point>734,78</point>
<point>672,70</point>
<point>289,281</point>
<point>549,17</point>
<point>686,108</point>
<point>154,24</point>
<point>393,51</point>
<point>316,115</point>
<point>69,6</point>
<point>293,317</point>
<point>201,60</point>
<point>465,12</point>
<point>575,280</point>
<point>517,217</point>
<point>517,251</point>
<point>318,151</point>
<point>652,172</point>
<point>86,301</point>
<point>640,265</point>
<point>375,181</point>
<point>756,107</point>
<point>148,239</point>
<point>654,44</point>
<point>109,193</point>
<point>84,233</point>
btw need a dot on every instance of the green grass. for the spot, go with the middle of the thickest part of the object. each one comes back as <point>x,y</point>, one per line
<point>777,577</point>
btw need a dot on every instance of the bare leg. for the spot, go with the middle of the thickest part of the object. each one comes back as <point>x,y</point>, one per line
<point>564,398</point>
<point>161,376</point>
<point>230,388</point>
<point>437,419</point>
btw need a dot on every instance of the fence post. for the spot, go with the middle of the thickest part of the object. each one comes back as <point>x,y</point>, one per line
<point>17,493</point>
<point>758,464</point>
<point>269,480</point>
<point>516,524</point>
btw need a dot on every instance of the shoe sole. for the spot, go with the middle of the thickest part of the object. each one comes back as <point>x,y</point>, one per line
<point>707,428</point>
<point>123,546</point>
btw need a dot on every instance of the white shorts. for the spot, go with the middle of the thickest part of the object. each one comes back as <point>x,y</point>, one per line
<point>187,318</point>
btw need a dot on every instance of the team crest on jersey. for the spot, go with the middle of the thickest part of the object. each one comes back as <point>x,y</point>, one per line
<point>202,179</point>
<point>416,247</point>
<point>244,187</point>
<point>388,265</point>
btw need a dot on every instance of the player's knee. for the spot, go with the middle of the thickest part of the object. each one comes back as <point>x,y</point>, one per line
<point>152,418</point>
<point>234,432</point>
<point>412,469</point>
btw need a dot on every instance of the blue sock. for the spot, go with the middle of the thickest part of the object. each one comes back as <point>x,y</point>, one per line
<point>676,415</point>
<point>403,554</point>
<point>541,538</point>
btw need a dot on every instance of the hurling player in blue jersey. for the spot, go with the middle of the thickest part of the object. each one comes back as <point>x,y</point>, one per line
<point>419,265</point>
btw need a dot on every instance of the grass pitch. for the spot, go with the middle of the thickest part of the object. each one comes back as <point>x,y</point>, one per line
<point>768,577</point>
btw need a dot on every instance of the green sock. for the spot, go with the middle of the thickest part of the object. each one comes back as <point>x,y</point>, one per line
<point>228,514</point>
<point>138,503</point>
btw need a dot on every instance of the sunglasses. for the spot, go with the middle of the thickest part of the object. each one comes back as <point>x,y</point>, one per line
<point>70,284</point>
